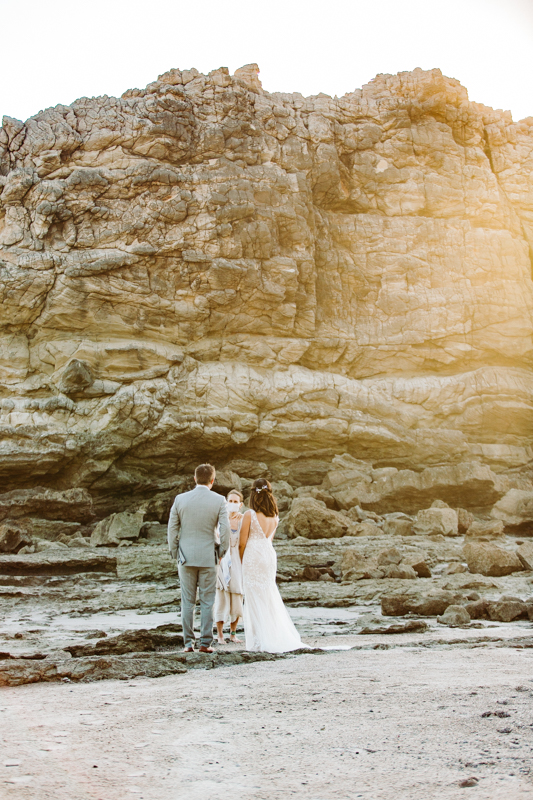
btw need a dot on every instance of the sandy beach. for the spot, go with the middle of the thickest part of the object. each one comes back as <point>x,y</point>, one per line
<point>409,723</point>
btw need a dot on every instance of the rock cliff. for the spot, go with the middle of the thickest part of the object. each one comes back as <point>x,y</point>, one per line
<point>201,269</point>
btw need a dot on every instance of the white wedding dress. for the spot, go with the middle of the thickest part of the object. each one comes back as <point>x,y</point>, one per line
<point>267,624</point>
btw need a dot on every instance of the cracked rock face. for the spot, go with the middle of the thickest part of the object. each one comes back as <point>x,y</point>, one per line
<point>201,269</point>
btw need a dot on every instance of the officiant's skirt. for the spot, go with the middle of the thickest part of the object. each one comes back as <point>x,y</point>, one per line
<point>228,606</point>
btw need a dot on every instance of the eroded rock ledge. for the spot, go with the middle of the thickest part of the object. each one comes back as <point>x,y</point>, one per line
<point>203,269</point>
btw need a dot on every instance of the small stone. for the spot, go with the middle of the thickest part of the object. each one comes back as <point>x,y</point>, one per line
<point>467,782</point>
<point>455,568</point>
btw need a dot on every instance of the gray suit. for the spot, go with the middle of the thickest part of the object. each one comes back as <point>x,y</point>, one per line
<point>193,519</point>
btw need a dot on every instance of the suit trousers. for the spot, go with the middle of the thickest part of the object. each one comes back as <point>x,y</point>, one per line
<point>204,580</point>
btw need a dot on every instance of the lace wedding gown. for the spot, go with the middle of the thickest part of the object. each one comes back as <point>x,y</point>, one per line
<point>267,624</point>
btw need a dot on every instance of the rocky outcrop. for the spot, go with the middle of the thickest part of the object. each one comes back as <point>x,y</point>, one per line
<point>202,269</point>
<point>58,562</point>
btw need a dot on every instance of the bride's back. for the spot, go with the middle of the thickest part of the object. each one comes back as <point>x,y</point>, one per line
<point>267,524</point>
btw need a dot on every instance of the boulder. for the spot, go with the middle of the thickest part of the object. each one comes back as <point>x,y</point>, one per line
<point>478,609</point>
<point>507,609</point>
<point>433,520</point>
<point>365,529</point>
<point>483,529</point>
<point>311,573</point>
<point>397,525</point>
<point>464,519</point>
<point>454,617</point>
<point>13,537</point>
<point>313,520</point>
<point>488,559</point>
<point>418,562</point>
<point>425,605</point>
<point>401,571</point>
<point>525,554</point>
<point>319,573</point>
<point>390,556</point>
<point>358,515</point>
<point>110,531</point>
<point>515,509</point>
<point>353,561</point>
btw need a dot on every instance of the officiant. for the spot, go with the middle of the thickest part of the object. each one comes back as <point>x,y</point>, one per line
<point>229,593</point>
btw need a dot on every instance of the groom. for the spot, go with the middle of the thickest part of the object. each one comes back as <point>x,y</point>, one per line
<point>192,524</point>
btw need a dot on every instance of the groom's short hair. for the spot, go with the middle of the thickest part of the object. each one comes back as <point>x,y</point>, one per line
<point>204,474</point>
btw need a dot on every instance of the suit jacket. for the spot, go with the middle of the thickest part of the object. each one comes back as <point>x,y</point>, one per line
<point>193,519</point>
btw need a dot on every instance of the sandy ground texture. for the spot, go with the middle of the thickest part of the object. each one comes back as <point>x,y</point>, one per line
<point>408,724</point>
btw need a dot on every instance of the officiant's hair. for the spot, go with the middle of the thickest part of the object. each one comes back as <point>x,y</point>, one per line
<point>204,474</point>
<point>262,499</point>
<point>236,493</point>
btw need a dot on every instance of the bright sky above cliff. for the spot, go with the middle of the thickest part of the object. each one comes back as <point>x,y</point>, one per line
<point>56,51</point>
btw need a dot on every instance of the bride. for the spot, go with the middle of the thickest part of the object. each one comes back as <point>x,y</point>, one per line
<point>267,624</point>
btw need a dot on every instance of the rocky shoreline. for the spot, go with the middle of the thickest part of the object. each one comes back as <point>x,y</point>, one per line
<point>80,614</point>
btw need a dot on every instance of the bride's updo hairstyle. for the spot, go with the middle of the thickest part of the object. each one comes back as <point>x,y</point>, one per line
<point>262,499</point>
